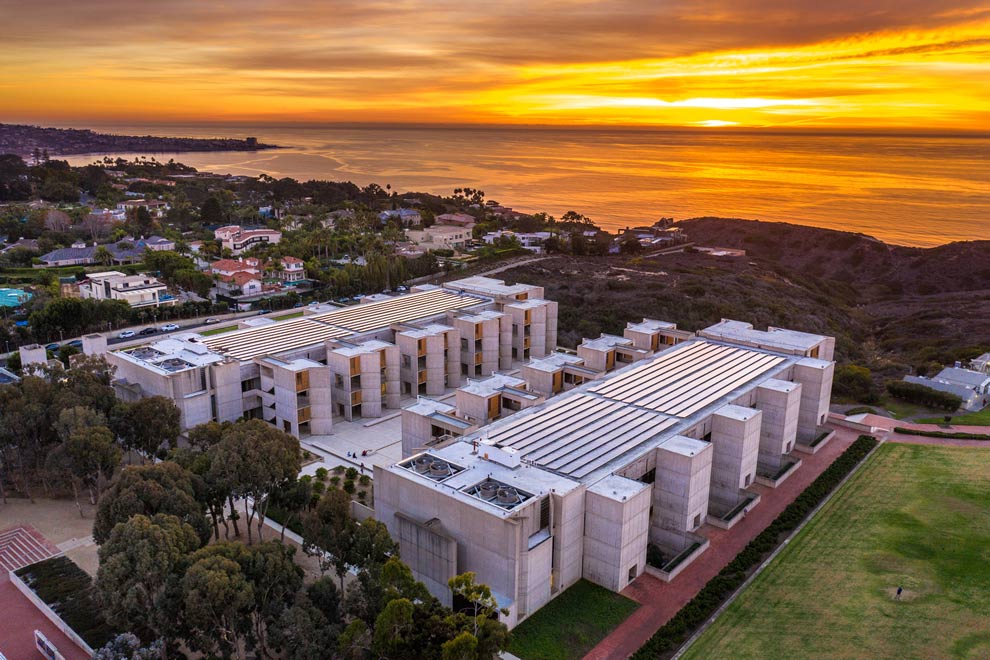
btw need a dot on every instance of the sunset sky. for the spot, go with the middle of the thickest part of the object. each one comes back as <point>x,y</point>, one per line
<point>892,64</point>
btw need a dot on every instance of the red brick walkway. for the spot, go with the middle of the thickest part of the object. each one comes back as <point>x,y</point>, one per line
<point>20,546</point>
<point>659,601</point>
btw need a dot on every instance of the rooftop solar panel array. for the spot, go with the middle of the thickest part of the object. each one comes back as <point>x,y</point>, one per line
<point>682,381</point>
<point>580,434</point>
<point>397,310</point>
<point>288,335</point>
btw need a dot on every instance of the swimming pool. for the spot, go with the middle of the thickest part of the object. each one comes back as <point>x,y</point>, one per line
<point>13,297</point>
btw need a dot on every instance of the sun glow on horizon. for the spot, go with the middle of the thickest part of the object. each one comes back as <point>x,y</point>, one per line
<point>489,69</point>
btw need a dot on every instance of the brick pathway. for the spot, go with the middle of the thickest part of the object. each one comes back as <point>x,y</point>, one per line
<point>659,601</point>
<point>20,546</point>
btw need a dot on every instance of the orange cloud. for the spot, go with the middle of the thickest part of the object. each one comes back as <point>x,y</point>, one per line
<point>890,64</point>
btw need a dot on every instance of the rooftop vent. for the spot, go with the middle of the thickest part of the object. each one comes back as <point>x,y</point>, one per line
<point>431,467</point>
<point>498,494</point>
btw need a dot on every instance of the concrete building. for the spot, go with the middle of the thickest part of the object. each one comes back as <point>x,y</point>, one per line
<point>653,335</point>
<point>534,319</point>
<point>135,290</point>
<point>973,387</point>
<point>239,240</point>
<point>609,352</point>
<point>441,237</point>
<point>556,373</point>
<point>366,377</point>
<point>355,361</point>
<point>585,483</point>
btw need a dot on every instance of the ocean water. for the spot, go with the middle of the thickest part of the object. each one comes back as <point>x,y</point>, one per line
<point>907,190</point>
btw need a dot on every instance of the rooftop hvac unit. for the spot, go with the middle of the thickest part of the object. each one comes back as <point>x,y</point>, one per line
<point>488,490</point>
<point>440,469</point>
<point>508,495</point>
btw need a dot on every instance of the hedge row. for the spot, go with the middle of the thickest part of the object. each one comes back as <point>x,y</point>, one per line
<point>923,395</point>
<point>69,591</point>
<point>676,631</point>
<point>958,435</point>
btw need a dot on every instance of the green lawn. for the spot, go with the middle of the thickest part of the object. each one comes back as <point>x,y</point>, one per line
<point>571,624</point>
<point>217,331</point>
<point>981,418</point>
<point>915,516</point>
<point>286,317</point>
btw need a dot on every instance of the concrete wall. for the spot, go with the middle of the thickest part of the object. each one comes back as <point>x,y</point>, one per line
<point>780,402</point>
<point>735,445</point>
<point>815,377</point>
<point>680,496</point>
<point>94,344</point>
<point>615,537</point>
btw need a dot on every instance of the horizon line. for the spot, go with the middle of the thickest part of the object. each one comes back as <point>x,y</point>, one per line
<point>858,131</point>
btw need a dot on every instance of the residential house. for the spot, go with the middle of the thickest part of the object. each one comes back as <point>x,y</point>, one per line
<point>136,290</point>
<point>239,240</point>
<point>441,237</point>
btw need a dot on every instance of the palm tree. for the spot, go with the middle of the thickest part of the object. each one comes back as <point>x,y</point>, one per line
<point>103,256</point>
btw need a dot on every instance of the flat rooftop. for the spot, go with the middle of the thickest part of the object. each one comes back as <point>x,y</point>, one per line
<point>489,286</point>
<point>651,326</point>
<point>770,338</point>
<point>496,383</point>
<point>605,342</point>
<point>171,355</point>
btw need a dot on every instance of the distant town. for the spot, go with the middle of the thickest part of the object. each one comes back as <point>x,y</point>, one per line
<point>27,140</point>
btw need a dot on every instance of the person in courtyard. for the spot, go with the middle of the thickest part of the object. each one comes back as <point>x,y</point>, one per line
<point>899,590</point>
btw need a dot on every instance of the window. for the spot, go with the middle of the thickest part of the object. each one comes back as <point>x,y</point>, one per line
<point>632,572</point>
<point>464,344</point>
<point>338,380</point>
<point>406,362</point>
<point>748,477</point>
<point>697,521</point>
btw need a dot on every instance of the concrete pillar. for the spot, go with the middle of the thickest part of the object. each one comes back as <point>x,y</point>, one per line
<point>680,492</point>
<point>815,377</point>
<point>735,445</point>
<point>780,402</point>
<point>616,531</point>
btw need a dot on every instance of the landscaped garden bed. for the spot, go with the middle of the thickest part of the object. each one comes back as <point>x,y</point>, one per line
<point>69,591</point>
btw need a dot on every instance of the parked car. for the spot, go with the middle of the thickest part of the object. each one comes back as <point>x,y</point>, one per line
<point>75,343</point>
<point>52,347</point>
<point>297,305</point>
<point>127,334</point>
<point>264,311</point>
<point>401,289</point>
<point>211,321</point>
<point>170,327</point>
<point>148,331</point>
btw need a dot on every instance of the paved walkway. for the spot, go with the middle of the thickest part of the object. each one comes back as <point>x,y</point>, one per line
<point>659,601</point>
<point>20,546</point>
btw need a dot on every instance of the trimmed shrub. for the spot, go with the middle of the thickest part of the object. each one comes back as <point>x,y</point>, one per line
<point>351,474</point>
<point>676,631</point>
<point>349,487</point>
<point>957,435</point>
<point>923,395</point>
<point>322,473</point>
<point>364,480</point>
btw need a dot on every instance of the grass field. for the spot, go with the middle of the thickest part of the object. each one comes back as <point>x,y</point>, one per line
<point>286,317</point>
<point>571,624</point>
<point>914,516</point>
<point>217,331</point>
<point>981,418</point>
